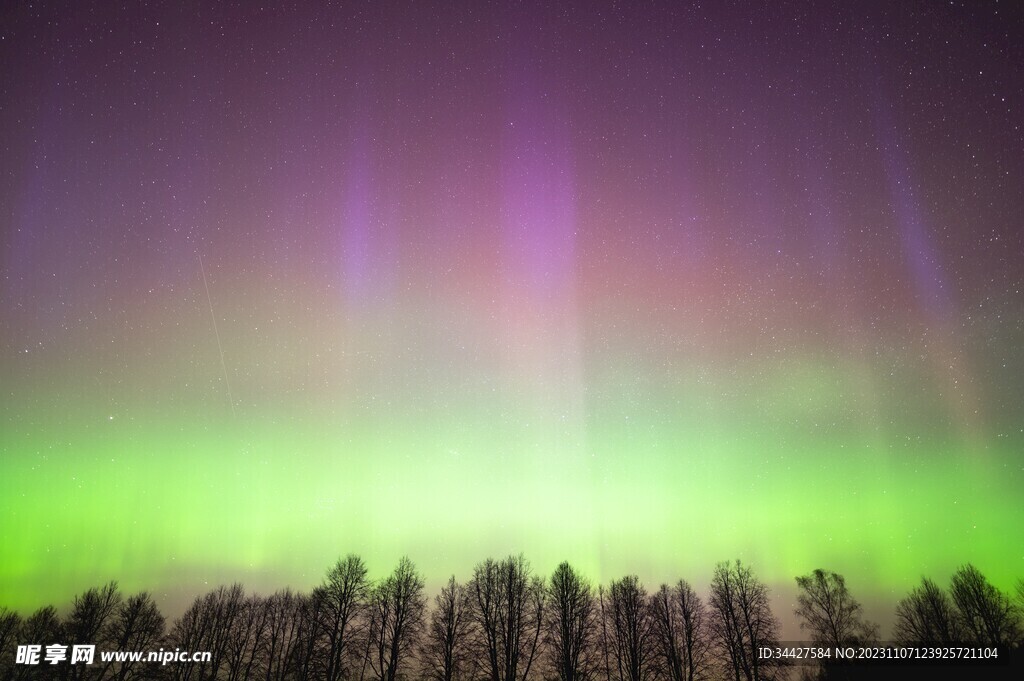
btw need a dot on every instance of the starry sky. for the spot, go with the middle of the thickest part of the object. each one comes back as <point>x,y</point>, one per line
<point>644,286</point>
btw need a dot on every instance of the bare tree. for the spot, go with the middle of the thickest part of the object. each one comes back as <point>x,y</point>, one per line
<point>508,610</point>
<point>10,626</point>
<point>444,651</point>
<point>743,621</point>
<point>830,613</point>
<point>571,624</point>
<point>604,643</point>
<point>42,627</point>
<point>284,610</point>
<point>337,605</point>
<point>87,622</point>
<point>681,632</point>
<point>246,638</point>
<point>397,608</point>
<point>137,625</point>
<point>986,614</point>
<point>630,627</point>
<point>927,615</point>
<point>206,626</point>
<point>226,605</point>
<point>666,630</point>
<point>309,651</point>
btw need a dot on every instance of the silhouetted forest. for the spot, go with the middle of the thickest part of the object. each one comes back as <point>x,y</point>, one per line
<point>508,623</point>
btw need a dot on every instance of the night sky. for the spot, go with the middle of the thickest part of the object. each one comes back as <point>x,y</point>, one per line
<point>644,286</point>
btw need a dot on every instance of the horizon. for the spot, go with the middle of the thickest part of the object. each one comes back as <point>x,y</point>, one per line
<point>782,597</point>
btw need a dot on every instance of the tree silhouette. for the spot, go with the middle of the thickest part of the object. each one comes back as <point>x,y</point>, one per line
<point>681,632</point>
<point>137,625</point>
<point>444,653</point>
<point>743,621</point>
<point>986,614</point>
<point>40,628</point>
<point>206,626</point>
<point>830,613</point>
<point>834,619</point>
<point>508,609</point>
<point>630,629</point>
<point>927,615</point>
<point>506,624</point>
<point>284,618</point>
<point>397,609</point>
<point>308,649</point>
<point>10,628</point>
<point>337,604</point>
<point>246,638</point>
<point>88,621</point>
<point>571,624</point>
<point>604,637</point>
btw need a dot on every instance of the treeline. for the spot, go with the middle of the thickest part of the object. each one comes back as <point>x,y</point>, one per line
<point>506,623</point>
